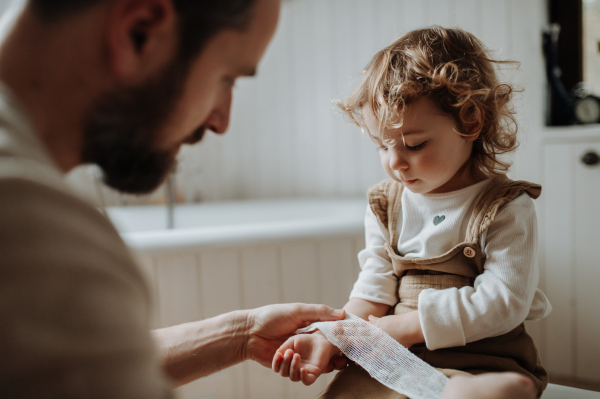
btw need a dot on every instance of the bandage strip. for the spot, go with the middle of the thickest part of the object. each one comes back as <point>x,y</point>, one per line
<point>382,357</point>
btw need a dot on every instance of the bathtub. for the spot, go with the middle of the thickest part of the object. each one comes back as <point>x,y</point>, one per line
<point>234,255</point>
<point>225,224</point>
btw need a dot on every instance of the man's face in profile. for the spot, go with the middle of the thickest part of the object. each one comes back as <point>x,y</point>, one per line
<point>134,133</point>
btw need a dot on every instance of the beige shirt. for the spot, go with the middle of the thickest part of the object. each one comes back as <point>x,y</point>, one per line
<point>74,307</point>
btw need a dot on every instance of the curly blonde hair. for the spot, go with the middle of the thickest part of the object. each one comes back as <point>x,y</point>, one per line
<point>454,69</point>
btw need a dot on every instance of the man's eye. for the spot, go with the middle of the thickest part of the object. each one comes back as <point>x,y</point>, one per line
<point>416,147</point>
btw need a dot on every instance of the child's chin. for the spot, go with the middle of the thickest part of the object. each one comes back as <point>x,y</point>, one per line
<point>417,187</point>
<point>416,190</point>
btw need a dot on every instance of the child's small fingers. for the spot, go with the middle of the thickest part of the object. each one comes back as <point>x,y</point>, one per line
<point>285,363</point>
<point>295,368</point>
<point>277,359</point>
<point>307,378</point>
<point>339,362</point>
<point>329,368</point>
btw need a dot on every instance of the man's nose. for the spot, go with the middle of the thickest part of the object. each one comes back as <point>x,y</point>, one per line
<point>218,120</point>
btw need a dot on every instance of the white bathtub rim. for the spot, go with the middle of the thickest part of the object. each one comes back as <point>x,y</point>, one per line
<point>192,239</point>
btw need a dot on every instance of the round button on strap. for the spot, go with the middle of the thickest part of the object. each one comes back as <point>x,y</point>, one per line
<point>469,252</point>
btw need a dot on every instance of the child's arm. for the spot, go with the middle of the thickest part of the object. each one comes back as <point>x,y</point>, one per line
<point>363,308</point>
<point>502,295</point>
<point>405,328</point>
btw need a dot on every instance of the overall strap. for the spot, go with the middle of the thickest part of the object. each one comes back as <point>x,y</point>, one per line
<point>500,191</point>
<point>385,202</point>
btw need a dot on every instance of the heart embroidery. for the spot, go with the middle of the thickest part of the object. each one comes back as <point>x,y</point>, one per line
<point>438,219</point>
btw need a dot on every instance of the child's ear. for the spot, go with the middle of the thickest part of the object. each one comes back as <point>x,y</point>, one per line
<point>473,132</point>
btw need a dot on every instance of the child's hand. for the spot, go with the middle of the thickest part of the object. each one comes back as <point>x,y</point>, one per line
<point>405,328</point>
<point>305,357</point>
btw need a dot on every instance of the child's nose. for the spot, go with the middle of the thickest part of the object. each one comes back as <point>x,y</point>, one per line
<point>397,162</point>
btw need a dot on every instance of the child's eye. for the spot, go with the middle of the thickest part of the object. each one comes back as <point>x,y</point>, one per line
<point>416,147</point>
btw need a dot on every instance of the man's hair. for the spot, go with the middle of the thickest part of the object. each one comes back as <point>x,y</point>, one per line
<point>199,20</point>
<point>455,70</point>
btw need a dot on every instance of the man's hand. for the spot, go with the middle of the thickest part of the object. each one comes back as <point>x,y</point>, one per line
<point>405,328</point>
<point>305,357</point>
<point>270,326</point>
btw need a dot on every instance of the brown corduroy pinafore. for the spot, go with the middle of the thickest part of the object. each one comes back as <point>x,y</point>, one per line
<point>513,351</point>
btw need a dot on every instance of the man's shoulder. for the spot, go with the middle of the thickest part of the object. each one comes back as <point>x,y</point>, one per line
<point>25,200</point>
<point>42,223</point>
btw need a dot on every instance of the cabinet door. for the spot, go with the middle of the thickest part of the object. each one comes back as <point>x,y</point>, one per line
<point>587,261</point>
<point>558,192</point>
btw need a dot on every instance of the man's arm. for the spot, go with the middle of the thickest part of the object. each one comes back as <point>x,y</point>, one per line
<point>193,350</point>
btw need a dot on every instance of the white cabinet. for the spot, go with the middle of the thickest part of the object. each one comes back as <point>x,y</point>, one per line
<point>570,224</point>
<point>587,263</point>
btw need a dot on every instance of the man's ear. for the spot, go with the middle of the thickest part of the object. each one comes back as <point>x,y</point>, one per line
<point>141,37</point>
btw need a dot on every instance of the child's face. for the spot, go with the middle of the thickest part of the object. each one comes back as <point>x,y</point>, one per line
<point>429,156</point>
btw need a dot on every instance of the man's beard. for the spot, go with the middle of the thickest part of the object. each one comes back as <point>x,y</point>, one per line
<point>121,130</point>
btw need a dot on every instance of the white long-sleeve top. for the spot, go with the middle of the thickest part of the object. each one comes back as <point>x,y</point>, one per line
<point>502,297</point>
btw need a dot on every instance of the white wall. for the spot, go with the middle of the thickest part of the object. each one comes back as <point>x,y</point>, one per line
<point>285,138</point>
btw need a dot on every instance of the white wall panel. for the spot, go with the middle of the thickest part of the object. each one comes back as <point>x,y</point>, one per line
<point>300,282</point>
<point>469,16</point>
<point>442,12</point>
<point>178,295</point>
<point>416,14</point>
<point>495,26</point>
<point>336,259</point>
<point>220,284</point>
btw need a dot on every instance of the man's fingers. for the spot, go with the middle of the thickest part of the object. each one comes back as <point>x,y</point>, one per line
<point>313,313</point>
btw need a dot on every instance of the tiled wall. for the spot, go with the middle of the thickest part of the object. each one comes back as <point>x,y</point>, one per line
<point>285,138</point>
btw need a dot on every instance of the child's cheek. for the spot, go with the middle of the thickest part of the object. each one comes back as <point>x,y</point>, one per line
<point>427,162</point>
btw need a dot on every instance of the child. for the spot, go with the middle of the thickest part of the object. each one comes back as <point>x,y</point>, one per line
<point>450,266</point>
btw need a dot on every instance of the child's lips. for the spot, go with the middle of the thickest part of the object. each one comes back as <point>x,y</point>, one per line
<point>409,182</point>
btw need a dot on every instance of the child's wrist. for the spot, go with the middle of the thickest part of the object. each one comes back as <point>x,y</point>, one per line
<point>416,331</point>
<point>333,350</point>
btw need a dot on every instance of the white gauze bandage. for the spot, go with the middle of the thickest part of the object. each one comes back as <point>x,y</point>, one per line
<point>382,357</point>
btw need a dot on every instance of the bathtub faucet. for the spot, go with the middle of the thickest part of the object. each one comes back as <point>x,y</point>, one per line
<point>171,198</point>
